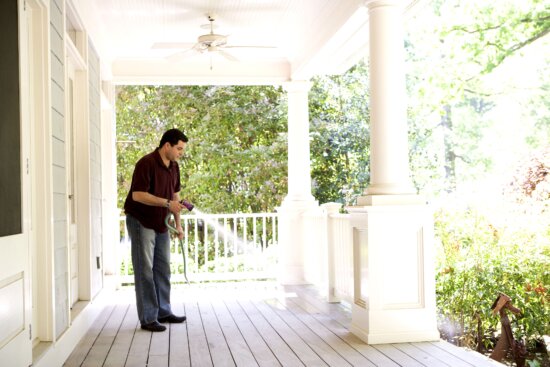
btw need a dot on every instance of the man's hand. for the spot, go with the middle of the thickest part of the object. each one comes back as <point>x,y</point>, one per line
<point>180,231</point>
<point>175,207</point>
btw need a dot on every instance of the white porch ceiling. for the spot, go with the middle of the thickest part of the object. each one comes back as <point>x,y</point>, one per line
<point>305,38</point>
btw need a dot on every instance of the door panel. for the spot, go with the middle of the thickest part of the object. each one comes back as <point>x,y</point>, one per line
<point>15,344</point>
<point>71,183</point>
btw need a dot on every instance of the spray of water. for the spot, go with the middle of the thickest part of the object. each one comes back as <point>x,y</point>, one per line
<point>227,233</point>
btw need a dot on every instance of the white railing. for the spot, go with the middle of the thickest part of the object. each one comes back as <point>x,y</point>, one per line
<point>216,247</point>
<point>316,266</point>
<point>340,239</point>
<point>328,252</point>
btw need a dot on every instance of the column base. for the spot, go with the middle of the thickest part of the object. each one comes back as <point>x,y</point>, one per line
<point>291,240</point>
<point>394,275</point>
<point>397,199</point>
<point>397,337</point>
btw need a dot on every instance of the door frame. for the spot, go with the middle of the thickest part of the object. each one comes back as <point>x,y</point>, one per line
<point>43,315</point>
<point>76,58</point>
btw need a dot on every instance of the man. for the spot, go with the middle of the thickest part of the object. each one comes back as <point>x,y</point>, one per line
<point>154,193</point>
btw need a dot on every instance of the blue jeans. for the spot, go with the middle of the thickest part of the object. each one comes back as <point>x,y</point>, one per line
<point>151,261</point>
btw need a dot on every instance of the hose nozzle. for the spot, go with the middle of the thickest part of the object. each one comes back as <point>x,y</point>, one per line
<point>187,204</point>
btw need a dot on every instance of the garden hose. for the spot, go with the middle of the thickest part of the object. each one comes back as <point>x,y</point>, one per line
<point>174,230</point>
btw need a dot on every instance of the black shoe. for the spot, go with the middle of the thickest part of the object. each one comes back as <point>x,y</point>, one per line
<point>153,326</point>
<point>173,319</point>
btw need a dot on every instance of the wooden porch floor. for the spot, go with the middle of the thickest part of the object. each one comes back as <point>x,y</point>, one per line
<point>250,324</point>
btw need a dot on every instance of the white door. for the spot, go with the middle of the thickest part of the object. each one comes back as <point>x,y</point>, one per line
<point>71,184</point>
<point>39,135</point>
<point>15,339</point>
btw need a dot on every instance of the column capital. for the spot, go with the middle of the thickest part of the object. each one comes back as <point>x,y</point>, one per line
<point>371,4</point>
<point>297,86</point>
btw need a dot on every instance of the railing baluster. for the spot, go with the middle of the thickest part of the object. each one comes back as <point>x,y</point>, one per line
<point>235,243</point>
<point>216,246</point>
<point>186,235</point>
<point>246,248</point>
<point>225,228</point>
<point>196,244</point>
<point>205,229</point>
<point>246,254</point>
<point>274,238</point>
<point>264,233</point>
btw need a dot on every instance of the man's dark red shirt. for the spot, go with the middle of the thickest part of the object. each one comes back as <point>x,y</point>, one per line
<point>152,176</point>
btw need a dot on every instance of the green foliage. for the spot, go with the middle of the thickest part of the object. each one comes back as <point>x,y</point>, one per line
<point>490,34</point>
<point>236,157</point>
<point>477,259</point>
<point>484,62</point>
<point>504,248</point>
<point>340,135</point>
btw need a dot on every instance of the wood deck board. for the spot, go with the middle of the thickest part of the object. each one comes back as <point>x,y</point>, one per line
<point>420,355</point>
<point>469,356</point>
<point>323,349</point>
<point>261,351</point>
<point>121,346</point>
<point>85,345</point>
<point>373,355</point>
<point>398,356</point>
<point>138,354</point>
<point>339,344</point>
<point>198,344</point>
<point>159,349</point>
<point>219,350</point>
<point>441,354</point>
<point>179,343</point>
<point>235,341</point>
<point>256,324</point>
<point>102,345</point>
<point>304,351</point>
<point>276,343</point>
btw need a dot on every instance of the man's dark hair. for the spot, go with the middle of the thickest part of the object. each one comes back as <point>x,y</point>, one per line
<point>172,136</point>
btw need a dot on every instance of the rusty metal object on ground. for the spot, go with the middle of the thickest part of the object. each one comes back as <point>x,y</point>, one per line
<point>506,341</point>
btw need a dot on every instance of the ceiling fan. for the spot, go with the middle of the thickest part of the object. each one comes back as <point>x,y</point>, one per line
<point>206,43</point>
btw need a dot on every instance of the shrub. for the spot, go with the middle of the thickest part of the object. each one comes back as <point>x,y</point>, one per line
<point>477,259</point>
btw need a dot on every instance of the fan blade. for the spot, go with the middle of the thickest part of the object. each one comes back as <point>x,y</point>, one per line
<point>239,46</point>
<point>227,55</point>
<point>170,45</point>
<point>190,52</point>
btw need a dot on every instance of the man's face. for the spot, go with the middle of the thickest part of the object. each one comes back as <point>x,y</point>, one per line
<point>175,152</point>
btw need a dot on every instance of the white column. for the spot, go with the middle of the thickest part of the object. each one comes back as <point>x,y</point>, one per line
<point>109,212</point>
<point>299,169</point>
<point>394,281</point>
<point>389,163</point>
<point>299,198</point>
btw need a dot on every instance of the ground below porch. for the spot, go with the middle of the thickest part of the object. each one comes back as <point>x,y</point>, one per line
<point>250,324</point>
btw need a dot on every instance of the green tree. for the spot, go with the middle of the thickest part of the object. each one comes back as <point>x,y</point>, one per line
<point>468,45</point>
<point>236,156</point>
<point>339,128</point>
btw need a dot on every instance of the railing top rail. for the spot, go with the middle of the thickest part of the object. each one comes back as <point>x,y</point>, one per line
<point>231,215</point>
<point>340,215</point>
<point>223,215</point>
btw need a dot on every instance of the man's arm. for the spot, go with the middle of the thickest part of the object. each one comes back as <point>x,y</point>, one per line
<point>152,200</point>
<point>176,198</point>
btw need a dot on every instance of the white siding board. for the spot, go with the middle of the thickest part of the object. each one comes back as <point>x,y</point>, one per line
<point>58,153</point>
<point>59,230</point>
<point>58,72</point>
<point>58,125</point>
<point>56,16</point>
<point>56,44</point>
<point>61,301</point>
<point>58,98</point>
<point>59,182</point>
